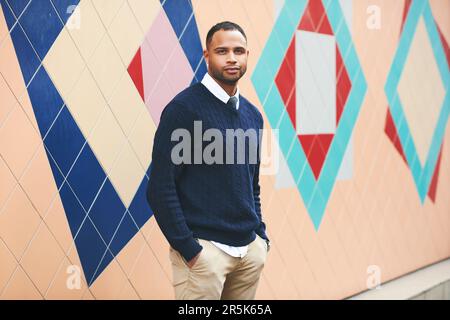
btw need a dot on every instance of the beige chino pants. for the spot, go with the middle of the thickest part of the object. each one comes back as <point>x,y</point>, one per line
<point>217,275</point>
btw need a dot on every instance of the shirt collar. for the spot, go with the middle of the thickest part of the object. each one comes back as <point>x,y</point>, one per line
<point>217,90</point>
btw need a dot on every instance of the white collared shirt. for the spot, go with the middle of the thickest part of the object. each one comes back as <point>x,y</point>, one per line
<point>217,90</point>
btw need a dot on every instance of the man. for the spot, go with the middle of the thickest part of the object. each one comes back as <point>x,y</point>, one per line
<point>211,213</point>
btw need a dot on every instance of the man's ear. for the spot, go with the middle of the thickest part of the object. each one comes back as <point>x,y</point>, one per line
<point>206,55</point>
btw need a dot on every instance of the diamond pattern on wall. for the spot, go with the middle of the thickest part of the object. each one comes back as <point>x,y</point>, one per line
<point>170,58</point>
<point>315,146</point>
<point>100,222</point>
<point>314,161</point>
<point>405,122</point>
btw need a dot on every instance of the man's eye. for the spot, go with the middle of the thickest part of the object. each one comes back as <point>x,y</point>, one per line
<point>240,51</point>
<point>221,52</point>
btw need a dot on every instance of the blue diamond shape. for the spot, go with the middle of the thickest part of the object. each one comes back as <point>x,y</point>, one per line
<point>315,193</point>
<point>422,175</point>
<point>182,19</point>
<point>96,239</point>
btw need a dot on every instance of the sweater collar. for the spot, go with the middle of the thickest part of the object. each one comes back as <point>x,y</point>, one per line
<point>217,90</point>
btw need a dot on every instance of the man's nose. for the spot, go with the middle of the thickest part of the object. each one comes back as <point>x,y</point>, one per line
<point>232,57</point>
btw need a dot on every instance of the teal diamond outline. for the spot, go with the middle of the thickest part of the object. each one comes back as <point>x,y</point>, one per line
<point>315,193</point>
<point>422,175</point>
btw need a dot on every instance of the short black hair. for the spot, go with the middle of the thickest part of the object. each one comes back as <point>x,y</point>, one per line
<point>226,26</point>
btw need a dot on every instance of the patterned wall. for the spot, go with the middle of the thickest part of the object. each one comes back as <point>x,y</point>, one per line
<point>358,92</point>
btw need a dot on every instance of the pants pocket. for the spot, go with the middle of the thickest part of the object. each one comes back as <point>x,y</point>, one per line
<point>180,271</point>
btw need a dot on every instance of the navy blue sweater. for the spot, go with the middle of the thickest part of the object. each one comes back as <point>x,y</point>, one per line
<point>218,202</point>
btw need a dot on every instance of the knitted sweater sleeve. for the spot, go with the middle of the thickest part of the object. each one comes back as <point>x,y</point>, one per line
<point>161,191</point>
<point>261,231</point>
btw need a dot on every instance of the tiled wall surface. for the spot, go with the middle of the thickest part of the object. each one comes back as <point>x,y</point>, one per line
<point>358,91</point>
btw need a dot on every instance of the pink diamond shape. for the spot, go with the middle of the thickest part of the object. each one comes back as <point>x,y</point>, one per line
<point>160,69</point>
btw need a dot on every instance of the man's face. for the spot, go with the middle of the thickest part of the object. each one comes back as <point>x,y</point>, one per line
<point>227,56</point>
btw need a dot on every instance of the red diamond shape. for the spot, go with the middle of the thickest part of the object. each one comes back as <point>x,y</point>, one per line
<point>315,146</point>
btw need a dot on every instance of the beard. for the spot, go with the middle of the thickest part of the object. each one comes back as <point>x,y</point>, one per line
<point>228,79</point>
